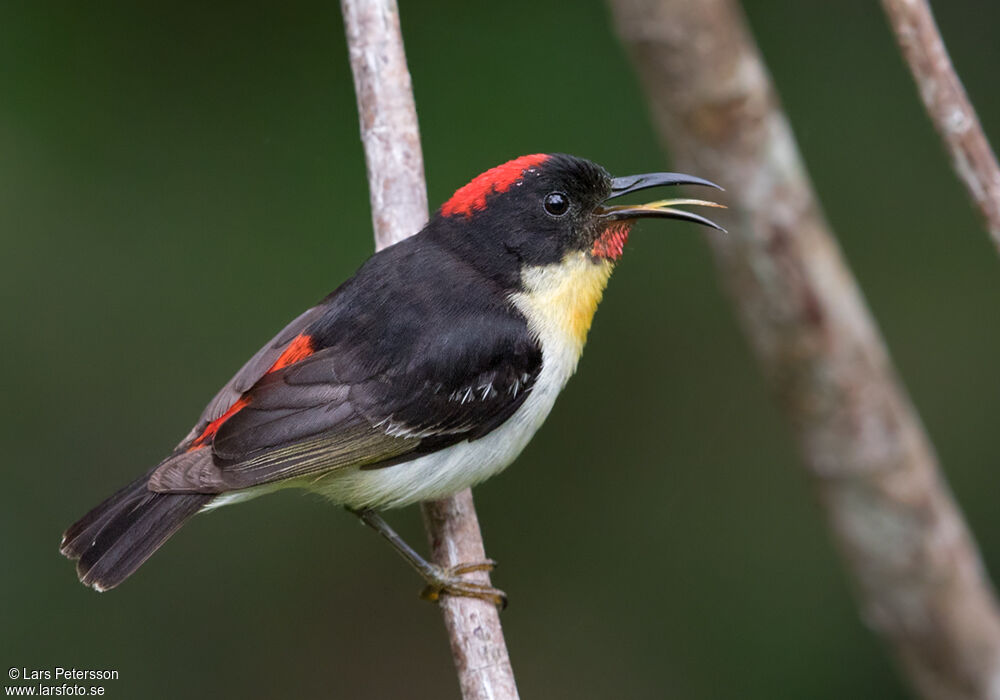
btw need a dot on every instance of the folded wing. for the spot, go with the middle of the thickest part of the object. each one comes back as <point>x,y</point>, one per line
<point>356,404</point>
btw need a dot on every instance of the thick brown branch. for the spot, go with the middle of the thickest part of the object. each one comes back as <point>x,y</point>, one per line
<point>948,106</point>
<point>391,139</point>
<point>917,573</point>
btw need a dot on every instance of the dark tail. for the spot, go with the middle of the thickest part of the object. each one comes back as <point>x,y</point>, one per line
<point>116,537</point>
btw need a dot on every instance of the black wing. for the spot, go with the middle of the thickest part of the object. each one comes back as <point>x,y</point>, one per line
<point>400,365</point>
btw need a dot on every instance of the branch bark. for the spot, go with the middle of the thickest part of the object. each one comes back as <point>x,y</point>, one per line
<point>948,106</point>
<point>391,139</point>
<point>917,573</point>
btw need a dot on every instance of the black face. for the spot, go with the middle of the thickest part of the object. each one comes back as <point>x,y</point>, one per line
<point>534,210</point>
<point>556,205</point>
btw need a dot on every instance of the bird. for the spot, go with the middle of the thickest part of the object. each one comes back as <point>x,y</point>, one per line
<point>426,372</point>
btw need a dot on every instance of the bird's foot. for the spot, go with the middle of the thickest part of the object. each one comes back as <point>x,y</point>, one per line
<point>441,580</point>
<point>448,580</point>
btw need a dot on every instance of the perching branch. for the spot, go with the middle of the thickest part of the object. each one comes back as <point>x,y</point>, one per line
<point>948,106</point>
<point>395,165</point>
<point>918,577</point>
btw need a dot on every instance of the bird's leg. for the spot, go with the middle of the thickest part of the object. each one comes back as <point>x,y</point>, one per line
<point>440,580</point>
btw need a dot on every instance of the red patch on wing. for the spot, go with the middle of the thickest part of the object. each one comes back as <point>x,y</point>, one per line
<point>472,197</point>
<point>212,428</point>
<point>611,243</point>
<point>298,349</point>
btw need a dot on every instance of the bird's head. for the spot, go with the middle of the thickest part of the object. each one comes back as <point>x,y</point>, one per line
<point>536,210</point>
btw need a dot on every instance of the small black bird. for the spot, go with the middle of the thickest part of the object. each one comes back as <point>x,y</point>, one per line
<point>426,372</point>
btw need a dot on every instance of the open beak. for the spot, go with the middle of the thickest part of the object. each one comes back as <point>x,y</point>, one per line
<point>663,208</point>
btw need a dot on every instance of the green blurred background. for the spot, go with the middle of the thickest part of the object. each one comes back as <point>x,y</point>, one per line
<point>180,179</point>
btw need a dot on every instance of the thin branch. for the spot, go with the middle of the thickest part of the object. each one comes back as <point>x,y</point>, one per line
<point>388,117</point>
<point>948,106</point>
<point>918,576</point>
<point>395,165</point>
<point>477,643</point>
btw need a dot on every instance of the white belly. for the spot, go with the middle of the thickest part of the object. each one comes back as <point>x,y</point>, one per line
<point>453,468</point>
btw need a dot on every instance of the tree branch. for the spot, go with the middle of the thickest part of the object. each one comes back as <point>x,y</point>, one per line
<point>395,166</point>
<point>388,118</point>
<point>948,106</point>
<point>918,577</point>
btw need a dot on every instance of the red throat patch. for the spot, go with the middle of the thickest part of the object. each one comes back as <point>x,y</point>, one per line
<point>472,197</point>
<point>611,243</point>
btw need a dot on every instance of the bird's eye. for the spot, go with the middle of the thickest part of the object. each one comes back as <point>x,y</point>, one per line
<point>556,203</point>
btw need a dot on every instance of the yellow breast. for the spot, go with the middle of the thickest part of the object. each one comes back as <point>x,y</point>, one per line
<point>559,301</point>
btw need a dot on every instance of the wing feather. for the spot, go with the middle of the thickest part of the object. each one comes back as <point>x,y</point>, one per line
<point>398,365</point>
<point>251,372</point>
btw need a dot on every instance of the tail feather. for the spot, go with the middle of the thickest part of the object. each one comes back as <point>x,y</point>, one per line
<point>116,537</point>
<point>80,535</point>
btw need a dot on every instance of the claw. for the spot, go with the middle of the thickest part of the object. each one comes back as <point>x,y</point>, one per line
<point>468,568</point>
<point>449,581</point>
